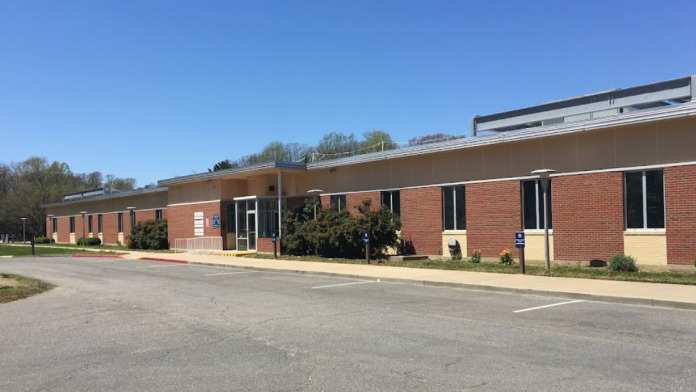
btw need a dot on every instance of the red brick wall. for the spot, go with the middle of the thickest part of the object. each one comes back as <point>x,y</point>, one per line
<point>421,219</point>
<point>355,200</point>
<point>63,229</point>
<point>588,219</point>
<point>110,228</point>
<point>493,215</point>
<point>79,226</point>
<point>680,219</point>
<point>265,245</point>
<point>180,220</point>
<point>325,202</point>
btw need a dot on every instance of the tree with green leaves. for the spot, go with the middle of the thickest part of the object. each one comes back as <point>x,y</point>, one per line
<point>376,140</point>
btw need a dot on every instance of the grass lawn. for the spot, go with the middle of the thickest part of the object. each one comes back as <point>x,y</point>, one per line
<point>558,271</point>
<point>14,287</point>
<point>114,248</point>
<point>25,250</point>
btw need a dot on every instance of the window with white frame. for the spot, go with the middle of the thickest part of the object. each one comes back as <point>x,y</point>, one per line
<point>454,207</point>
<point>119,222</point>
<point>54,222</point>
<point>533,205</point>
<point>89,223</point>
<point>158,215</point>
<point>338,202</point>
<point>644,199</point>
<point>392,201</point>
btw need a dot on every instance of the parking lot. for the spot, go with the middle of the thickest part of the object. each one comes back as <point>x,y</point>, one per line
<point>115,324</point>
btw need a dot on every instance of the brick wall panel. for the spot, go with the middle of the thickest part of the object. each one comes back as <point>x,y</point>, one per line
<point>421,219</point>
<point>355,200</point>
<point>180,220</point>
<point>63,229</point>
<point>588,220</point>
<point>493,216</point>
<point>110,229</point>
<point>680,219</point>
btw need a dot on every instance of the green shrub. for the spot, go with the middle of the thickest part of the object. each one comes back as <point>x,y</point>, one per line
<point>88,241</point>
<point>475,257</point>
<point>694,262</point>
<point>622,263</point>
<point>150,234</point>
<point>339,234</point>
<point>506,257</point>
<point>43,240</point>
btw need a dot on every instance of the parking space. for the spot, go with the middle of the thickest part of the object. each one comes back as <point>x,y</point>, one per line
<point>150,325</point>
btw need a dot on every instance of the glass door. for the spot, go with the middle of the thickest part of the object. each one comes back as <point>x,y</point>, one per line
<point>246,224</point>
<point>251,224</point>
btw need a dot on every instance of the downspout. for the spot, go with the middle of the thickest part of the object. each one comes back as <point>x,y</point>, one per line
<point>279,187</point>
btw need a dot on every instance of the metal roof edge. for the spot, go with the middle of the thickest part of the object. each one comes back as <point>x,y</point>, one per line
<point>107,196</point>
<point>221,173</point>
<point>686,109</point>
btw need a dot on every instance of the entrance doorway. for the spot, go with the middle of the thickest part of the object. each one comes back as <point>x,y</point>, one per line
<point>246,224</point>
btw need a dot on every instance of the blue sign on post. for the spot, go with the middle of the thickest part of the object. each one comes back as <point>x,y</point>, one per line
<point>216,221</point>
<point>365,238</point>
<point>519,239</point>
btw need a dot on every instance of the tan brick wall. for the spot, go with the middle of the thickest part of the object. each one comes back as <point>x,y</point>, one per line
<point>180,220</point>
<point>493,216</point>
<point>680,218</point>
<point>588,218</point>
<point>421,219</point>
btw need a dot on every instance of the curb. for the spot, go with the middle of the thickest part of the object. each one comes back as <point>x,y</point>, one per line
<point>164,260</point>
<point>571,295</point>
<point>103,256</point>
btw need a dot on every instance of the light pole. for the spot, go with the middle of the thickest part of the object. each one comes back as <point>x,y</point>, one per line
<point>24,230</point>
<point>315,193</point>
<point>543,175</point>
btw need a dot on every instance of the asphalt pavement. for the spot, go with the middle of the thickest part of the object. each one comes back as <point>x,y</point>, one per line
<point>114,324</point>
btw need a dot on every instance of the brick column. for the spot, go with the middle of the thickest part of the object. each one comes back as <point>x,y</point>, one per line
<point>421,219</point>
<point>588,214</point>
<point>493,215</point>
<point>680,219</point>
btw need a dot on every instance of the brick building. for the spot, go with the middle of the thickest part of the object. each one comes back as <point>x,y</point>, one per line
<point>624,181</point>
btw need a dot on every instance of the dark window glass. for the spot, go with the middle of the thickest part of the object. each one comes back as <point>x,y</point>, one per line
<point>533,205</point>
<point>119,222</point>
<point>460,202</point>
<point>634,200</point>
<point>448,208</point>
<point>89,223</point>
<point>158,215</point>
<point>100,223</point>
<point>655,199</point>
<point>72,224</point>
<point>55,225</point>
<point>338,202</point>
<point>548,207</point>
<point>132,218</point>
<point>391,200</point>
<point>268,217</point>
<point>230,221</point>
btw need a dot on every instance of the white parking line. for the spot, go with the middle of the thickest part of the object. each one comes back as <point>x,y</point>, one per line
<point>229,273</point>
<point>575,301</point>
<point>345,284</point>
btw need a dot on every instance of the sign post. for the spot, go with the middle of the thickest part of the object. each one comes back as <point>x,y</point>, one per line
<point>366,240</point>
<point>275,246</point>
<point>519,244</point>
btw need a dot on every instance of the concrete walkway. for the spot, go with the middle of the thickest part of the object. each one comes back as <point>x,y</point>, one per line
<point>683,296</point>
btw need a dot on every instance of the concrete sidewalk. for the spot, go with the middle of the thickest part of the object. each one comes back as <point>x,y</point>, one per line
<point>683,296</point>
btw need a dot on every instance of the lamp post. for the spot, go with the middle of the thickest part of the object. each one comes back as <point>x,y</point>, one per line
<point>543,175</point>
<point>24,230</point>
<point>315,193</point>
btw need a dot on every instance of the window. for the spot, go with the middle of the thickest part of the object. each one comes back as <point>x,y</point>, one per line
<point>392,200</point>
<point>119,222</point>
<point>644,200</point>
<point>158,215</point>
<point>100,223</point>
<point>338,202</point>
<point>72,224</point>
<point>533,205</point>
<point>453,208</point>
<point>89,224</point>
<point>132,218</point>
<point>54,223</point>
<point>268,217</point>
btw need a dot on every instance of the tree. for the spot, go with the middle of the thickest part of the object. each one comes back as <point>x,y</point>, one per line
<point>222,165</point>
<point>376,141</point>
<point>114,183</point>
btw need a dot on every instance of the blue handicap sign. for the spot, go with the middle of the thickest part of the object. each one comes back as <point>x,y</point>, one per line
<point>519,239</point>
<point>216,221</point>
<point>365,238</point>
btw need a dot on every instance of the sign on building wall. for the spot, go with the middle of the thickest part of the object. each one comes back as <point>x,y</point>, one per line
<point>216,221</point>
<point>198,224</point>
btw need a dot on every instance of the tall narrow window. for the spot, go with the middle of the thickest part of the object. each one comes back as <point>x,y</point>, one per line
<point>72,224</point>
<point>533,205</point>
<point>392,201</point>
<point>55,224</point>
<point>158,215</point>
<point>89,223</point>
<point>119,222</point>
<point>132,218</point>
<point>338,202</point>
<point>644,200</point>
<point>100,223</point>
<point>454,208</point>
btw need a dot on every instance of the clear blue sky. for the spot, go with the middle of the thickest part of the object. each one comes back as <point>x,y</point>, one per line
<point>158,89</point>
